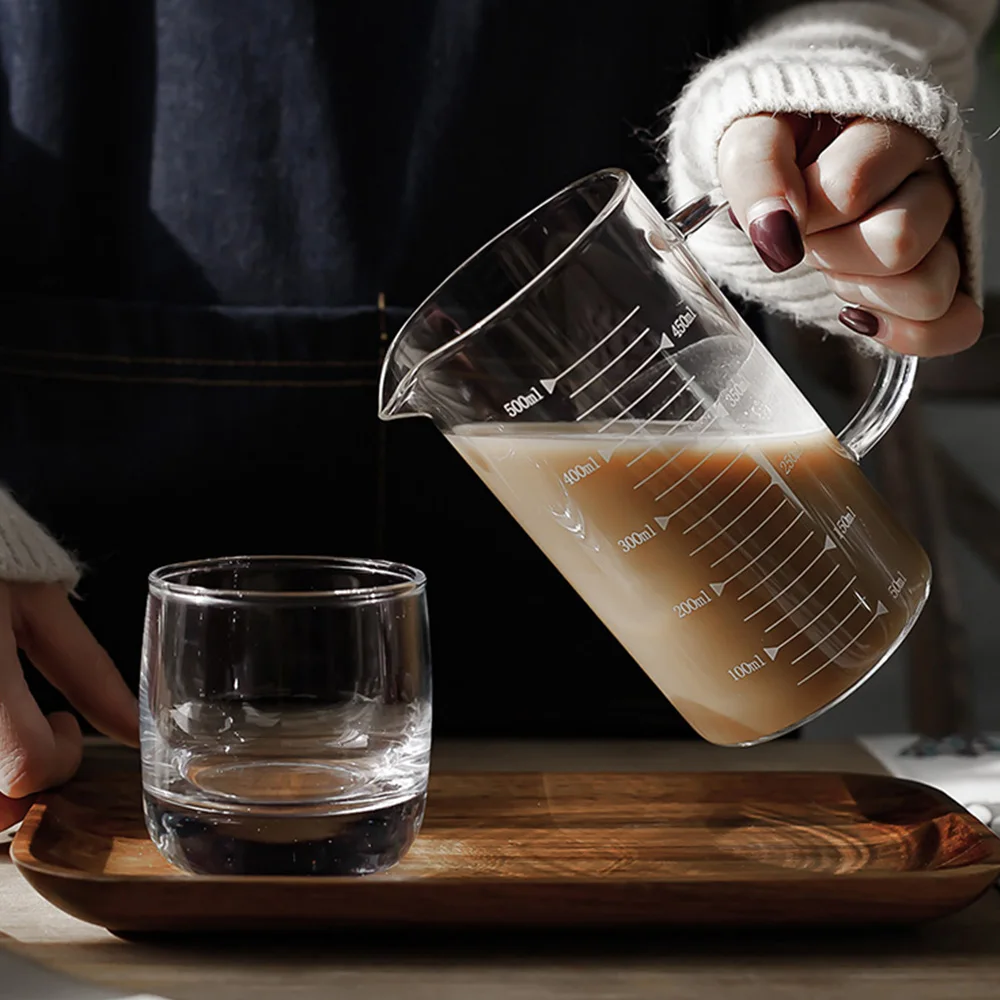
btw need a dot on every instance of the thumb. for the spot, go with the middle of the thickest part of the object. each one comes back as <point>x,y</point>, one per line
<point>64,651</point>
<point>760,176</point>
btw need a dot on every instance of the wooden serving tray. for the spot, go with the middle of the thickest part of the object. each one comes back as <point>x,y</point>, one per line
<point>529,849</point>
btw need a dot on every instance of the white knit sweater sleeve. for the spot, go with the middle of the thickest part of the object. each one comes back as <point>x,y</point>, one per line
<point>910,61</point>
<point>28,553</point>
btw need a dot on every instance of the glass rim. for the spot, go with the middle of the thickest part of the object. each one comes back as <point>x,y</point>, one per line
<point>623,183</point>
<point>411,580</point>
<point>623,186</point>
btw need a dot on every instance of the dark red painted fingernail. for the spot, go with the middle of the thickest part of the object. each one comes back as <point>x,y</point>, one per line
<point>734,220</point>
<point>778,240</point>
<point>859,320</point>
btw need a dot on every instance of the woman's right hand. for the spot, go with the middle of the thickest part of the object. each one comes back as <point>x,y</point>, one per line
<point>38,751</point>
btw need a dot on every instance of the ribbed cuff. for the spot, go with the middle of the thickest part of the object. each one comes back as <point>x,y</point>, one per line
<point>28,553</point>
<point>846,83</point>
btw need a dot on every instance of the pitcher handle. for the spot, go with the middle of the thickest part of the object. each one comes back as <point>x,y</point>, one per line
<point>890,391</point>
<point>896,373</point>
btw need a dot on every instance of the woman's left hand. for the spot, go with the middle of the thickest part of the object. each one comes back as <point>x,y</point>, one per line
<point>868,204</point>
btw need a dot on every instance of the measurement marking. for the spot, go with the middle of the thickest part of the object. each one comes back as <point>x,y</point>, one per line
<point>520,404</point>
<point>783,561</point>
<point>692,604</point>
<point>622,384</point>
<point>773,650</point>
<point>708,486</point>
<point>724,501</point>
<point>879,611</point>
<point>636,402</point>
<point>736,547</point>
<point>680,392</point>
<point>655,473</point>
<point>722,531</point>
<point>613,361</point>
<point>549,384</point>
<point>812,593</point>
<point>687,475</point>
<point>680,422</point>
<point>827,545</point>
<point>607,453</point>
<point>828,635</point>
<point>580,471</point>
<point>636,538</point>
<point>760,555</point>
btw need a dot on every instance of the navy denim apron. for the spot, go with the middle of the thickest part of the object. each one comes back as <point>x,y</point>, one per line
<point>315,153</point>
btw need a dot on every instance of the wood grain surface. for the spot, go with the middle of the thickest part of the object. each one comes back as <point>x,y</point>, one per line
<point>553,849</point>
<point>958,956</point>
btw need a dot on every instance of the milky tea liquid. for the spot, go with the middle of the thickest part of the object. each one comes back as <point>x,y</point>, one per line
<point>756,580</point>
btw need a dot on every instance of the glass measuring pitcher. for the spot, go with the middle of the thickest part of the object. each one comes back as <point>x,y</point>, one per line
<point>606,391</point>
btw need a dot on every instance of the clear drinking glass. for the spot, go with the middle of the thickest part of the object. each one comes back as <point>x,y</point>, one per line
<point>285,714</point>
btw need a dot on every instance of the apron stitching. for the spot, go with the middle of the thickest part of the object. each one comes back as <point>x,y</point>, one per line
<point>182,380</point>
<point>126,360</point>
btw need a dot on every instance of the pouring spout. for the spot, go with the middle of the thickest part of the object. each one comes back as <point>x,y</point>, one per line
<point>396,402</point>
<point>434,365</point>
<point>398,381</point>
<point>412,354</point>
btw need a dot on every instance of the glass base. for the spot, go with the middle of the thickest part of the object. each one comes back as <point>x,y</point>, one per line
<point>206,842</point>
<point>900,639</point>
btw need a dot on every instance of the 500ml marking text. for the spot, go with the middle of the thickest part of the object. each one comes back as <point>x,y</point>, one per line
<point>525,401</point>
